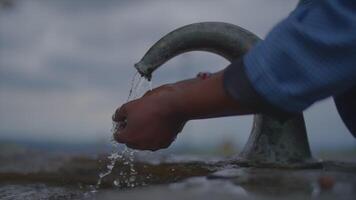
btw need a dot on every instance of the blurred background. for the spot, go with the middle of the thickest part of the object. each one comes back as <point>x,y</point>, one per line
<point>66,65</point>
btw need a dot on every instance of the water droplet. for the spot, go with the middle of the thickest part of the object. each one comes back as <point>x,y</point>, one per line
<point>116,183</point>
<point>127,156</point>
<point>132,178</point>
<point>150,85</point>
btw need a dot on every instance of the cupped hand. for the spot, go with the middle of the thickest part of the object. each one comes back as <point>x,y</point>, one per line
<point>151,122</point>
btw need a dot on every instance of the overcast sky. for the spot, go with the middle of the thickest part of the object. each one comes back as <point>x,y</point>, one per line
<point>65,66</point>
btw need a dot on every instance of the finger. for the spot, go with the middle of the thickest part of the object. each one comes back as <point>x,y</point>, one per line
<point>121,136</point>
<point>203,75</point>
<point>136,146</point>
<point>149,92</point>
<point>131,143</point>
<point>165,145</point>
<point>162,144</point>
<point>120,114</point>
<point>143,147</point>
<point>153,148</point>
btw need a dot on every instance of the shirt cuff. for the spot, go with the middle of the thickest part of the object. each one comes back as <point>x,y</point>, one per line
<point>239,87</point>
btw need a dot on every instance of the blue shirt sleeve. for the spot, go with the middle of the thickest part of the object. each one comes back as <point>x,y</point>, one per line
<point>309,56</point>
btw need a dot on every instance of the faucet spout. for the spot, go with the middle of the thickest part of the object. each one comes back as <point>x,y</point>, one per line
<point>271,142</point>
<point>227,40</point>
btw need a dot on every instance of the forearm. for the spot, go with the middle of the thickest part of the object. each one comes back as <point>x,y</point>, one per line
<point>207,99</point>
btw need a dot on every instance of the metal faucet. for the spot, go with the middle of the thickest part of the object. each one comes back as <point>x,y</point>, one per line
<point>272,142</point>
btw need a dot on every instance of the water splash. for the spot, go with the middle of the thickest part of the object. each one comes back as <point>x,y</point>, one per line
<point>113,157</point>
<point>126,156</point>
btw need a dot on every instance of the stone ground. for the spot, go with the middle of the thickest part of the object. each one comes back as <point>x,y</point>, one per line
<point>46,176</point>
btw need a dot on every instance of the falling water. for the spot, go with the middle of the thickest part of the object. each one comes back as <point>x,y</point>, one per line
<point>150,85</point>
<point>127,155</point>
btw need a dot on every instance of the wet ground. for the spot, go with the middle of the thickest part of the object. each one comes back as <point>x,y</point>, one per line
<point>38,175</point>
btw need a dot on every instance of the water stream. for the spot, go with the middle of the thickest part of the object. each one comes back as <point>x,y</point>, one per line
<point>127,155</point>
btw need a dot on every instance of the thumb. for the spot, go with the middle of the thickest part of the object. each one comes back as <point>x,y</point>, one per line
<point>120,114</point>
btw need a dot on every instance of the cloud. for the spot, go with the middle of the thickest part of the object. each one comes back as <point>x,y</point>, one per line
<point>66,65</point>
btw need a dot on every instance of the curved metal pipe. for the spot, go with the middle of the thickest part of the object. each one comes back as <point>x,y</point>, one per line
<point>272,142</point>
<point>227,40</point>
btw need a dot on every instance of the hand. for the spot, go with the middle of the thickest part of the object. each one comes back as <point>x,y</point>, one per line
<point>151,122</point>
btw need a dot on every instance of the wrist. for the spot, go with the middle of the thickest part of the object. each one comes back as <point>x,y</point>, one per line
<point>170,99</point>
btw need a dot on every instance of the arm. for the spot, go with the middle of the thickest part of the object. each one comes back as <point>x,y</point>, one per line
<point>307,57</point>
<point>154,120</point>
<point>207,99</point>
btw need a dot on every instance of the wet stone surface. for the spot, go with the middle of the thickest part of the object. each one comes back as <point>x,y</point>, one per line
<point>174,178</point>
<point>38,191</point>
